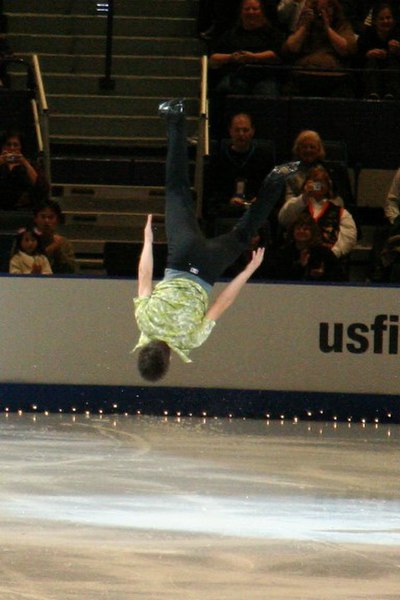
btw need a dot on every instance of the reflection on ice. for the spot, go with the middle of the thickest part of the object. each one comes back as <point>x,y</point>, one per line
<point>327,520</point>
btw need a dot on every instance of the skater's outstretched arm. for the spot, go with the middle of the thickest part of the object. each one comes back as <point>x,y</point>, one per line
<point>231,291</point>
<point>145,271</point>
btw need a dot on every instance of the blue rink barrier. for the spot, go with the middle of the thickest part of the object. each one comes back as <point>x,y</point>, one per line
<point>198,402</point>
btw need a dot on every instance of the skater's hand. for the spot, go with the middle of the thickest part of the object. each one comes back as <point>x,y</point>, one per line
<point>256,259</point>
<point>148,230</point>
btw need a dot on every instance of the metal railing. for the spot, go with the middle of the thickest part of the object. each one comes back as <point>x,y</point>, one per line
<point>203,140</point>
<point>39,106</point>
<point>40,111</point>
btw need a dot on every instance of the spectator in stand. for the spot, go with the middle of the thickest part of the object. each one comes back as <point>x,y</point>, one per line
<point>254,41</point>
<point>339,231</point>
<point>369,6</point>
<point>356,12</point>
<point>379,54</point>
<point>22,185</point>
<point>236,171</point>
<point>392,201</point>
<point>303,257</point>
<point>320,49</point>
<point>58,249</point>
<point>28,257</point>
<point>384,264</point>
<point>309,151</point>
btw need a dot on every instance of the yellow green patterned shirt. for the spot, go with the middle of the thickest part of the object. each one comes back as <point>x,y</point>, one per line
<point>174,313</point>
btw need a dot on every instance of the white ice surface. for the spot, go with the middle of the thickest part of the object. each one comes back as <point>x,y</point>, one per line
<point>121,508</point>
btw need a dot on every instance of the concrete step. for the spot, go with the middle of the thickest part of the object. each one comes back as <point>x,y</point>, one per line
<point>92,235</point>
<point>91,265</point>
<point>27,42</point>
<point>121,64</point>
<point>138,167</point>
<point>80,205</point>
<point>88,7</point>
<point>109,170</point>
<point>88,83</point>
<point>108,192</point>
<point>111,125</point>
<point>111,104</point>
<point>108,221</point>
<point>77,24</point>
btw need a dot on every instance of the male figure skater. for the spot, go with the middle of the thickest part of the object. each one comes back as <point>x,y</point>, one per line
<point>175,314</point>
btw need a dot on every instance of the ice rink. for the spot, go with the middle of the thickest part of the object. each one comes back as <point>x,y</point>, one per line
<point>133,507</point>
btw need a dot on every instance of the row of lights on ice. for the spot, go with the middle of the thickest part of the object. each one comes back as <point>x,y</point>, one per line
<point>282,418</point>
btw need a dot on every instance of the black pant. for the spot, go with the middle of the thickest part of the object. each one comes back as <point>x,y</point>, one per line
<point>188,249</point>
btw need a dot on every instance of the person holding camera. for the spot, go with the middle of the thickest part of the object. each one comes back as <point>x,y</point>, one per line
<point>22,185</point>
<point>320,49</point>
<point>338,229</point>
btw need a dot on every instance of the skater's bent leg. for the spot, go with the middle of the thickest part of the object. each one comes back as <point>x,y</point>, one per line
<point>270,193</point>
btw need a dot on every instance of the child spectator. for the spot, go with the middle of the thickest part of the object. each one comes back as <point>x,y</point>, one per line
<point>28,257</point>
<point>58,249</point>
<point>304,257</point>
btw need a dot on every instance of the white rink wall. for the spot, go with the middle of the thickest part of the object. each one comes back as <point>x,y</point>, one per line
<point>279,337</point>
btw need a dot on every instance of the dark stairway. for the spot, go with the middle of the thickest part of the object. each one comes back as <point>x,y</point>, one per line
<point>108,146</point>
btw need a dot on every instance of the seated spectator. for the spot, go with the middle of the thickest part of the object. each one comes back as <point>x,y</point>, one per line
<point>379,55</point>
<point>58,249</point>
<point>22,185</point>
<point>339,231</point>
<point>309,151</point>
<point>289,12</point>
<point>236,171</point>
<point>28,257</point>
<point>369,6</point>
<point>303,257</point>
<point>320,49</point>
<point>253,41</point>
<point>392,202</point>
<point>384,264</point>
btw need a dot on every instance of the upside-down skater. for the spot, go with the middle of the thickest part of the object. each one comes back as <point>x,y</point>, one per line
<point>174,315</point>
